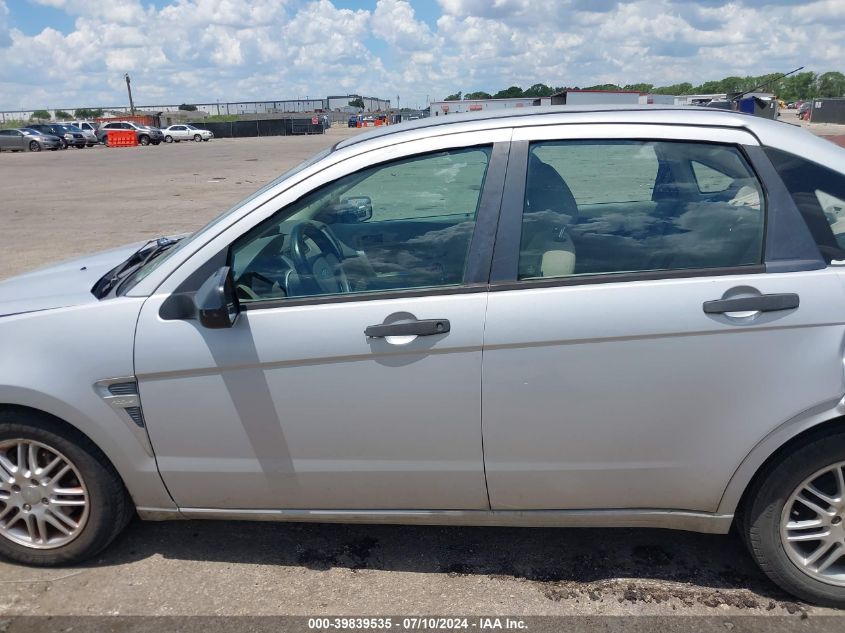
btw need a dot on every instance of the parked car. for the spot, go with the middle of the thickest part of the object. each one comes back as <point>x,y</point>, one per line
<point>145,135</point>
<point>69,135</point>
<point>556,317</point>
<point>27,139</point>
<point>87,129</point>
<point>185,132</point>
<point>353,121</point>
<point>805,111</point>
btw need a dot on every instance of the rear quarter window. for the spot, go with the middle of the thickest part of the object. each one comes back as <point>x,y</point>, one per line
<point>819,194</point>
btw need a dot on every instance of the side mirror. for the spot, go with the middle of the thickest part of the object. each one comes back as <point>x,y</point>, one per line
<point>216,301</point>
<point>358,208</point>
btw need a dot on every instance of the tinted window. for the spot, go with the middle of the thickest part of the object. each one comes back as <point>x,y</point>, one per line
<point>401,225</point>
<point>819,194</point>
<point>627,206</point>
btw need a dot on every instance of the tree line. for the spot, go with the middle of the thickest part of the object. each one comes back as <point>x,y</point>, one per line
<point>805,85</point>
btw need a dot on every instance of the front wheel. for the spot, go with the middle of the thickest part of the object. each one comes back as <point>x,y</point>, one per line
<point>34,146</point>
<point>197,138</point>
<point>144,140</point>
<point>795,522</point>
<point>60,500</point>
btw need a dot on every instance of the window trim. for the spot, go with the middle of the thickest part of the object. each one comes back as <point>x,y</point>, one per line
<point>479,252</point>
<point>505,272</point>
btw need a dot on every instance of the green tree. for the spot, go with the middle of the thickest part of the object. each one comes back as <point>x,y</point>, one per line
<point>87,113</point>
<point>357,102</point>
<point>602,87</point>
<point>538,90</point>
<point>513,92</point>
<point>187,107</point>
<point>684,88</point>
<point>61,114</point>
<point>830,84</point>
<point>454,97</point>
<point>476,95</point>
<point>798,86</point>
<point>41,115</point>
<point>646,88</point>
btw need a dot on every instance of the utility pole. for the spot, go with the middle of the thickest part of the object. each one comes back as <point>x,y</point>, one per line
<point>129,90</point>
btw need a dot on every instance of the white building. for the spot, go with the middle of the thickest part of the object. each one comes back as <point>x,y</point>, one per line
<point>595,97</point>
<point>441,108</point>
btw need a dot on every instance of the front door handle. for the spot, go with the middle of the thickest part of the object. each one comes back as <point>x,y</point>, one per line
<point>426,327</point>
<point>763,303</point>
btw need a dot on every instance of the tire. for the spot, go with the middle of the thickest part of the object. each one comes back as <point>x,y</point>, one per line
<point>168,139</point>
<point>197,138</point>
<point>34,146</point>
<point>108,508</point>
<point>144,140</point>
<point>771,501</point>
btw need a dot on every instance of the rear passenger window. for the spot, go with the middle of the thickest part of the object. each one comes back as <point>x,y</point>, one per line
<point>596,207</point>
<point>819,194</point>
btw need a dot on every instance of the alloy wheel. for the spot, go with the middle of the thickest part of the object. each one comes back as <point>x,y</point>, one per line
<point>34,146</point>
<point>812,525</point>
<point>44,503</point>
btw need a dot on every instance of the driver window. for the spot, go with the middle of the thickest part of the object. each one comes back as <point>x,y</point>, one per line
<point>401,225</point>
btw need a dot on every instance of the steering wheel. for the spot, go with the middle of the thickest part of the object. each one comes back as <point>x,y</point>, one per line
<point>321,270</point>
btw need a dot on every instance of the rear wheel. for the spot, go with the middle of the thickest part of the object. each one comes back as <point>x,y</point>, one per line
<point>60,500</point>
<point>168,139</point>
<point>795,523</point>
<point>34,146</point>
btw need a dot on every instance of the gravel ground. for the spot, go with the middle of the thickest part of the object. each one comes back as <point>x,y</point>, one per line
<point>57,205</point>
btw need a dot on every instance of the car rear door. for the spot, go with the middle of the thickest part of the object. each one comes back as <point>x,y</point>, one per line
<point>366,397</point>
<point>638,345</point>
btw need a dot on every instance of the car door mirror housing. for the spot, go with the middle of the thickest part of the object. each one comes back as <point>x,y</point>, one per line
<point>356,209</point>
<point>216,301</point>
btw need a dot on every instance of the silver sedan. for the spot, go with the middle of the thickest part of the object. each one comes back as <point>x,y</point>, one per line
<point>559,317</point>
<point>185,132</point>
<point>27,140</point>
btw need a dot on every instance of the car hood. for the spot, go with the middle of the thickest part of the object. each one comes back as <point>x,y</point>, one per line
<point>60,285</point>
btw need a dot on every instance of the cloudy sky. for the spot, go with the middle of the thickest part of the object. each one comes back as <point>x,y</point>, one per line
<point>70,53</point>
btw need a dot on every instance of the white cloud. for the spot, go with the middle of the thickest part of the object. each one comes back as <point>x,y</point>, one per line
<point>203,50</point>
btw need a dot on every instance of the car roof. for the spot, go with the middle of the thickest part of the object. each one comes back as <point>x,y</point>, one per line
<point>541,115</point>
<point>778,134</point>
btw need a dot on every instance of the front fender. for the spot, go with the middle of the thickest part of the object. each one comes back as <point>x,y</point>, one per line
<point>51,360</point>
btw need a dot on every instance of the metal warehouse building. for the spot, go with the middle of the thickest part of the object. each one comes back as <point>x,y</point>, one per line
<point>331,103</point>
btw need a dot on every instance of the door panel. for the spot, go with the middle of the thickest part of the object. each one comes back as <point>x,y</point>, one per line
<point>627,395</point>
<point>295,408</point>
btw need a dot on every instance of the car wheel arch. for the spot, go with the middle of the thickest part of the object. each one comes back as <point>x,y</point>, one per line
<point>775,446</point>
<point>29,411</point>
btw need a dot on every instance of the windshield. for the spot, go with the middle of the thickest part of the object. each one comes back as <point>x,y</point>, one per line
<point>154,263</point>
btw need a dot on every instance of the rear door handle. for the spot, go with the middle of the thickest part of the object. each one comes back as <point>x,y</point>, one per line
<point>763,303</point>
<point>426,327</point>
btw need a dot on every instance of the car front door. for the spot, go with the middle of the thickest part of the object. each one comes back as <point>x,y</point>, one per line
<point>637,344</point>
<point>351,379</point>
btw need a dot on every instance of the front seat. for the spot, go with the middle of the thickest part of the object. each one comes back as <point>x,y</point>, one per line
<point>546,248</point>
